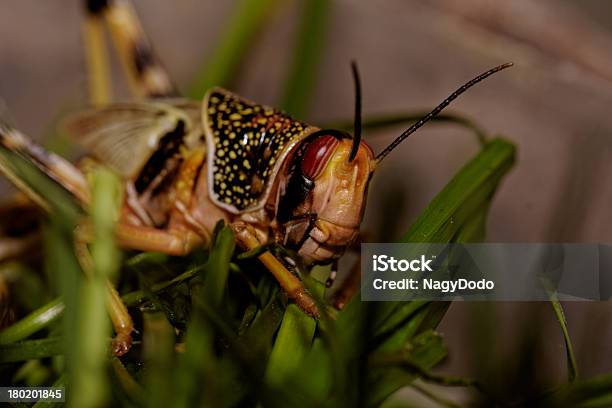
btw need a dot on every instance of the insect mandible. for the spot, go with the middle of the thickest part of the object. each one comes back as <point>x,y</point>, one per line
<point>187,164</point>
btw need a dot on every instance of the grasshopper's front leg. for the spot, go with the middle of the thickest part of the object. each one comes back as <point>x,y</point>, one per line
<point>293,287</point>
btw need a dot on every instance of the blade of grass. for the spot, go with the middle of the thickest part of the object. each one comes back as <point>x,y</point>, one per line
<point>469,190</point>
<point>133,298</point>
<point>32,373</point>
<point>472,186</point>
<point>35,321</point>
<point>434,396</point>
<point>572,366</point>
<point>594,392</point>
<point>128,384</point>
<point>292,344</point>
<point>320,361</point>
<point>461,204</point>
<point>240,31</point>
<point>61,262</point>
<point>309,46</point>
<point>60,382</point>
<point>197,378</point>
<point>31,349</point>
<point>90,385</point>
<point>258,335</point>
<point>420,354</point>
<point>247,363</point>
<point>52,311</point>
<point>427,315</point>
<point>159,358</point>
<point>217,267</point>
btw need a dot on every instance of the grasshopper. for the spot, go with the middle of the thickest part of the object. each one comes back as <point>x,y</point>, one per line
<point>187,164</point>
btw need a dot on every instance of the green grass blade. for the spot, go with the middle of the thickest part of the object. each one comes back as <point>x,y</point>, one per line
<point>420,354</point>
<point>594,392</point>
<point>471,187</point>
<point>31,349</point>
<point>90,386</point>
<point>198,379</point>
<point>133,298</point>
<point>62,263</point>
<point>572,366</point>
<point>239,32</point>
<point>35,321</point>
<point>159,358</point>
<point>217,267</point>
<point>457,213</point>
<point>258,336</point>
<point>308,51</point>
<point>128,384</point>
<point>292,344</point>
<point>60,382</point>
<point>49,313</point>
<point>106,201</point>
<point>460,204</point>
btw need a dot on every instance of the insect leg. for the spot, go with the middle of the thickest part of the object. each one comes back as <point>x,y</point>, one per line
<point>56,168</point>
<point>120,317</point>
<point>72,180</point>
<point>172,242</point>
<point>348,288</point>
<point>293,287</point>
<point>332,275</point>
<point>96,57</point>
<point>145,73</point>
<point>351,283</point>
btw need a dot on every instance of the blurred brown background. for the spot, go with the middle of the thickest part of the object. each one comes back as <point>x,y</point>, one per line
<point>555,104</point>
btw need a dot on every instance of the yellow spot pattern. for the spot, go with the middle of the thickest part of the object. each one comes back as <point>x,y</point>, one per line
<point>243,132</point>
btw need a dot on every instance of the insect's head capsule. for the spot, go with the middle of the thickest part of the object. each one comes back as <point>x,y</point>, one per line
<point>324,199</point>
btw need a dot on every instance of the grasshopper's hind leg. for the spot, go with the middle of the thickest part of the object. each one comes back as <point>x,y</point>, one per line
<point>72,180</point>
<point>96,57</point>
<point>119,315</point>
<point>146,76</point>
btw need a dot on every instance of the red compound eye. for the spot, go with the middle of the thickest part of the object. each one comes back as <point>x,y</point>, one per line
<point>317,154</point>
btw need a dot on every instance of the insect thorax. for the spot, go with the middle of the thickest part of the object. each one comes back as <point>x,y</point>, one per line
<point>247,144</point>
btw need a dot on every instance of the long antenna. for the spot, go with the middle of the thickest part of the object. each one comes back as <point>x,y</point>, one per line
<point>357,123</point>
<point>438,109</point>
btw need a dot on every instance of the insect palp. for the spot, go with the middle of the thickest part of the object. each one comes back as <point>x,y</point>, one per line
<point>439,108</point>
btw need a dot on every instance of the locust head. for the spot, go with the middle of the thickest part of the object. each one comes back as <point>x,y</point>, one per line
<point>323,200</point>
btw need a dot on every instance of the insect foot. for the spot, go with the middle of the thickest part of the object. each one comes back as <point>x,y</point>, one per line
<point>306,303</point>
<point>121,344</point>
